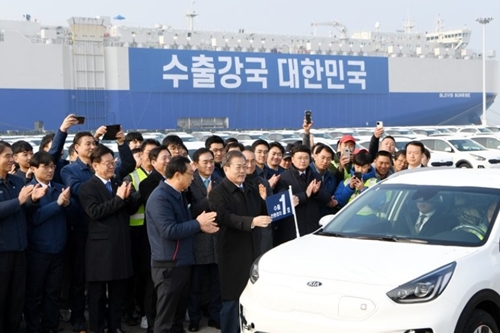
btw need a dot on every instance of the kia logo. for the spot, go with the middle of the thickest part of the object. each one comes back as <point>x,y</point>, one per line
<point>314,284</point>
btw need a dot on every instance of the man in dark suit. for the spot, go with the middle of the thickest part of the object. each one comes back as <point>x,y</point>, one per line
<point>108,252</point>
<point>171,231</point>
<point>239,209</point>
<point>431,220</point>
<point>306,185</point>
<point>205,268</point>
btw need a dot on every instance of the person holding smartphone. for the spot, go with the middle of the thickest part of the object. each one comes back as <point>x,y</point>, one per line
<point>341,164</point>
<point>362,177</point>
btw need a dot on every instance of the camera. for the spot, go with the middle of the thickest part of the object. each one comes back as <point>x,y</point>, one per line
<point>358,175</point>
<point>307,116</point>
<point>380,124</point>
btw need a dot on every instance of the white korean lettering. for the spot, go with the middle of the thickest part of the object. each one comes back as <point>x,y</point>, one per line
<point>357,77</point>
<point>257,74</point>
<point>230,81</point>
<point>292,73</point>
<point>312,70</point>
<point>203,72</point>
<point>175,63</point>
<point>332,70</point>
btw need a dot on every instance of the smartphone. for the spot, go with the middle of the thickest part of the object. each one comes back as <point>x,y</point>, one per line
<point>81,119</point>
<point>380,124</point>
<point>111,131</point>
<point>347,152</point>
<point>358,175</point>
<point>307,116</point>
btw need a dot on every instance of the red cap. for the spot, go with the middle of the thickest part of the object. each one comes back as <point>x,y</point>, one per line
<point>360,150</point>
<point>347,138</point>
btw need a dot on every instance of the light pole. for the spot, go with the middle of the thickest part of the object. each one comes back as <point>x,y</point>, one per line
<point>484,22</point>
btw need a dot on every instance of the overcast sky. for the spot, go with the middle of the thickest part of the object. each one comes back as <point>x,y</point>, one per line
<point>278,16</point>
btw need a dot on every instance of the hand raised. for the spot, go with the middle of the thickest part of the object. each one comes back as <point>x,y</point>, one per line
<point>273,180</point>
<point>69,121</point>
<point>123,190</point>
<point>262,191</point>
<point>378,132</point>
<point>12,170</point>
<point>209,188</point>
<point>317,186</point>
<point>100,132</point>
<point>25,193</point>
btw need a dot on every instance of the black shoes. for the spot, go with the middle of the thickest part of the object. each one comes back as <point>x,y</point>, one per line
<point>193,327</point>
<point>130,320</point>
<point>214,323</point>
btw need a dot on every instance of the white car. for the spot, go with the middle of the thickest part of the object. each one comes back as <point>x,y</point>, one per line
<point>369,270</point>
<point>464,152</point>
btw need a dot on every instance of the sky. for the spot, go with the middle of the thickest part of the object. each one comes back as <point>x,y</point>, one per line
<point>278,16</point>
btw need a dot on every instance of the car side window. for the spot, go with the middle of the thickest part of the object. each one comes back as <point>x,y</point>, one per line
<point>481,141</point>
<point>492,143</point>
<point>429,144</point>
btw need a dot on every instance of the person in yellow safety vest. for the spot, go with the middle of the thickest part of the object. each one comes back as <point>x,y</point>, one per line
<point>362,177</point>
<point>138,238</point>
<point>341,164</point>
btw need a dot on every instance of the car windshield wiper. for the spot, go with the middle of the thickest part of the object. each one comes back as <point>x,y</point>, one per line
<point>331,234</point>
<point>393,238</point>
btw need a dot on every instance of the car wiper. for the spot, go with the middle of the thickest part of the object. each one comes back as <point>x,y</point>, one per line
<point>394,239</point>
<point>331,234</point>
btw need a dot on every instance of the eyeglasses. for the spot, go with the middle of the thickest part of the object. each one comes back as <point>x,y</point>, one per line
<point>109,164</point>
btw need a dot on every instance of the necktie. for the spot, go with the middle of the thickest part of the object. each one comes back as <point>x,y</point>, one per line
<point>420,221</point>
<point>206,182</point>
<point>303,175</point>
<point>108,186</point>
<point>240,188</point>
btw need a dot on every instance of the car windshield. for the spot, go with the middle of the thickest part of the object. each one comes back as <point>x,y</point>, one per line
<point>466,145</point>
<point>454,216</point>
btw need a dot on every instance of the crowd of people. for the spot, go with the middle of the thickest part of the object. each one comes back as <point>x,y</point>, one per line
<point>151,234</point>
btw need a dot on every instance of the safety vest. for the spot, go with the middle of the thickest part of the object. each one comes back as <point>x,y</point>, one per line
<point>479,230</point>
<point>369,182</point>
<point>346,171</point>
<point>137,177</point>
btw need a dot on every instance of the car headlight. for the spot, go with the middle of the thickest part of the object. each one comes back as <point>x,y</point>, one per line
<point>477,157</point>
<point>425,288</point>
<point>254,271</point>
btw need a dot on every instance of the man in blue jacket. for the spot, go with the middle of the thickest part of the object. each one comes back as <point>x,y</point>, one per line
<point>13,242</point>
<point>171,231</point>
<point>46,241</point>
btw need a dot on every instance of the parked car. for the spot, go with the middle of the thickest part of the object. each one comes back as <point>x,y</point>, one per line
<point>464,152</point>
<point>368,269</point>
<point>488,141</point>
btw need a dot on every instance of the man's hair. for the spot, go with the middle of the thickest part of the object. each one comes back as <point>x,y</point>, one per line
<point>46,140</point>
<point>148,142</point>
<point>156,151</point>
<point>131,136</point>
<point>21,146</point>
<point>229,140</point>
<point>416,143</point>
<point>80,135</point>
<point>362,158</point>
<point>177,164</point>
<point>213,139</point>
<point>399,153</point>
<point>71,149</point>
<point>320,147</point>
<point>259,142</point>
<point>301,149</point>
<point>427,153</point>
<point>234,144</point>
<point>383,153</point>
<point>388,137</point>
<point>172,139</point>
<point>3,145</point>
<point>99,152</point>
<point>41,158</point>
<point>201,151</point>
<point>226,160</point>
<point>136,150</point>
<point>277,145</point>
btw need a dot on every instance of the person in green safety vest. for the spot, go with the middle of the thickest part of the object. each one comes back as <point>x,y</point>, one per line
<point>341,163</point>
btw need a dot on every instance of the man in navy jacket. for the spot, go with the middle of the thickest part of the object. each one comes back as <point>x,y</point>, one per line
<point>171,231</point>
<point>46,242</point>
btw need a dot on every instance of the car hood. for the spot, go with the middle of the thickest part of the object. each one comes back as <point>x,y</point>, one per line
<point>358,260</point>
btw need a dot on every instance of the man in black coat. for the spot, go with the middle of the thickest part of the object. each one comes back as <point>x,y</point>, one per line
<point>239,209</point>
<point>205,267</point>
<point>108,251</point>
<point>306,185</point>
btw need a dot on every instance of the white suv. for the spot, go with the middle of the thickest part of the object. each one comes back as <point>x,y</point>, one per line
<point>465,152</point>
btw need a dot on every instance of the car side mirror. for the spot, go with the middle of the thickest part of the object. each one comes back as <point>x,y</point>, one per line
<point>325,220</point>
<point>448,150</point>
